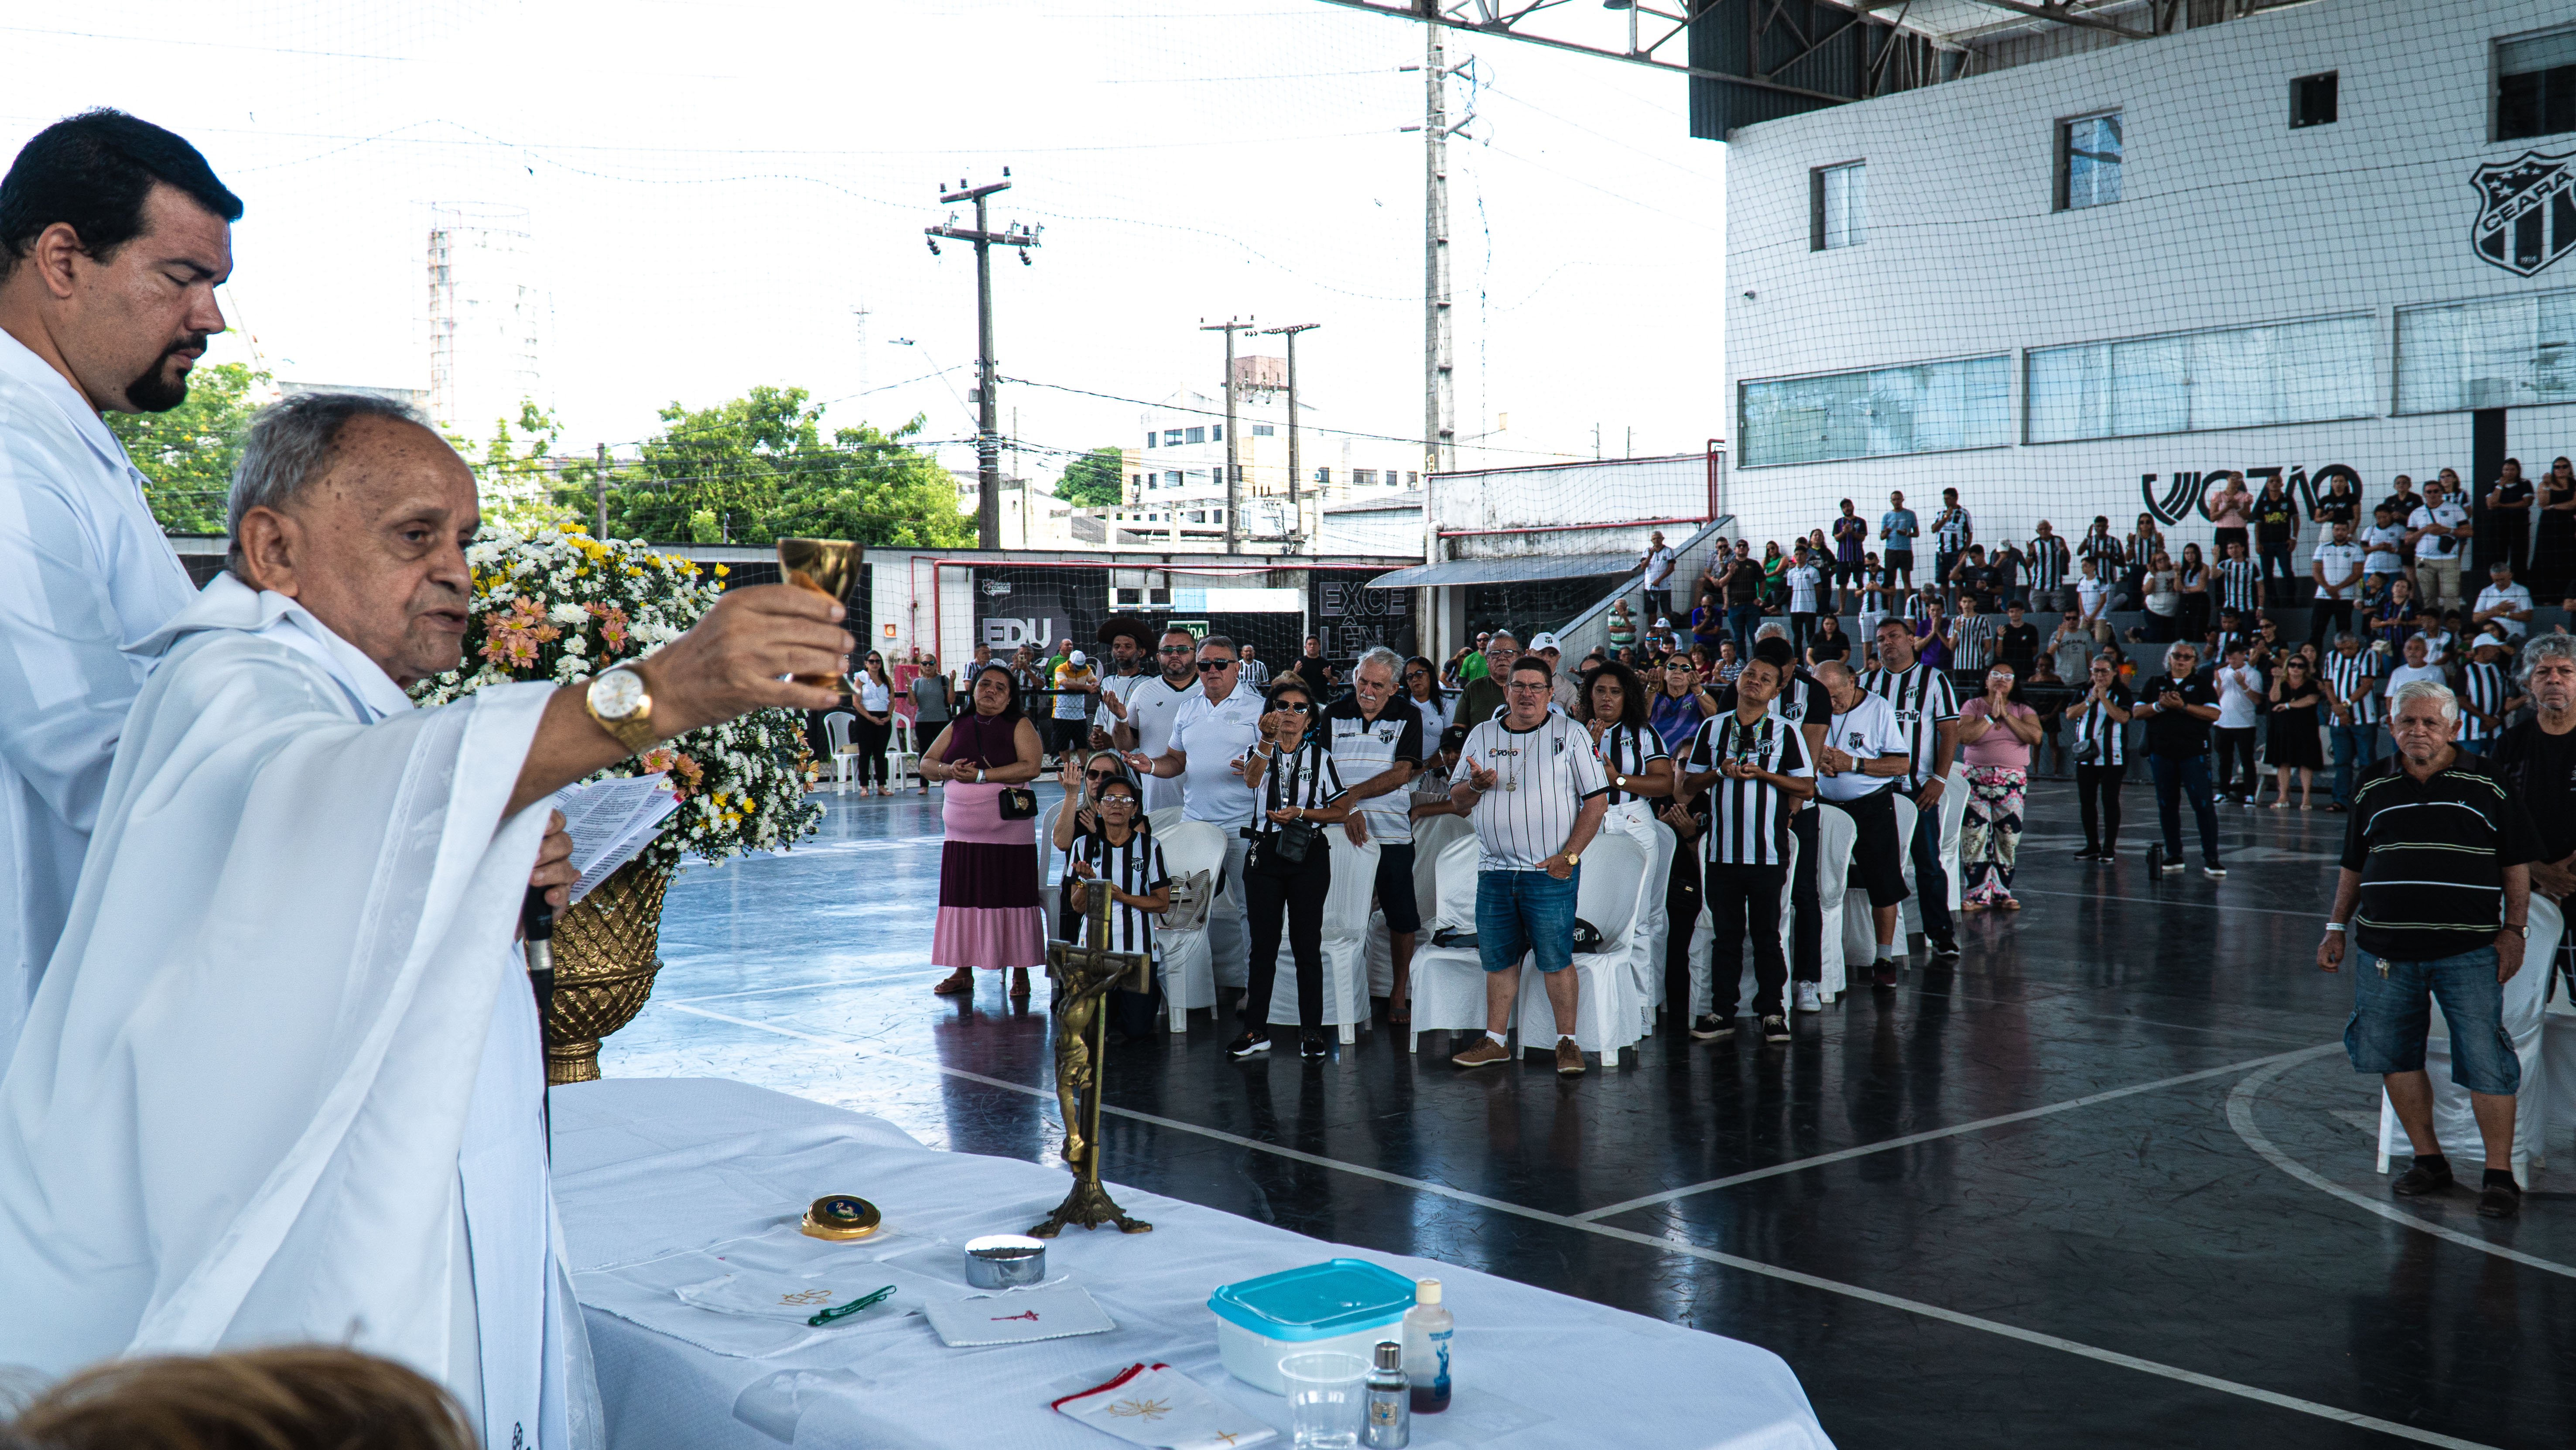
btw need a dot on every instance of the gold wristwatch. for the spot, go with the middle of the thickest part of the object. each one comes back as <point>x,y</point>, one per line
<point>622,702</point>
<point>1573,858</point>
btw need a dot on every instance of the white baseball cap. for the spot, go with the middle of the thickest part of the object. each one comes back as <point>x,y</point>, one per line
<point>1076,658</point>
<point>1542,642</point>
<point>1663,624</point>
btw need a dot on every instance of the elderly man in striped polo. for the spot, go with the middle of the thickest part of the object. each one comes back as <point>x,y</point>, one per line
<point>2433,896</point>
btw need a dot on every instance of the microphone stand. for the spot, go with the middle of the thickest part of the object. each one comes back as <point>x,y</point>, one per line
<point>537,922</point>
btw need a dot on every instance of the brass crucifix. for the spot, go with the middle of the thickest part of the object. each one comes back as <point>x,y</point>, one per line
<point>1084,975</point>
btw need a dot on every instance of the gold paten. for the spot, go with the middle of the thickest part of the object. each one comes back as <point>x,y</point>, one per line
<point>841,1217</point>
<point>1083,976</point>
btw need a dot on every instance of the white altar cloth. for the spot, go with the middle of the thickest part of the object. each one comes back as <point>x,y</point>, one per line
<point>652,1167</point>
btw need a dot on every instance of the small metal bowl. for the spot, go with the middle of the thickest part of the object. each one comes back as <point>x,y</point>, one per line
<point>1005,1261</point>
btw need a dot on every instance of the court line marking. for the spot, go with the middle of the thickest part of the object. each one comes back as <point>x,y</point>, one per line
<point>2240,1116</point>
<point>1671,1245</point>
<point>1864,1150</point>
<point>2151,901</point>
<point>810,986</point>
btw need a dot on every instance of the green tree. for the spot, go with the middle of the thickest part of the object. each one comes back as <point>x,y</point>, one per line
<point>520,486</point>
<point>187,454</point>
<point>1095,480</point>
<point>759,467</point>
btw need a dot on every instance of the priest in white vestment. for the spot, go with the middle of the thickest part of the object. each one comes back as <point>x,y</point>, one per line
<point>283,1080</point>
<point>116,236</point>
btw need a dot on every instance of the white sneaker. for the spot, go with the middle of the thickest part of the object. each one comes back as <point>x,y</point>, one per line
<point>1810,999</point>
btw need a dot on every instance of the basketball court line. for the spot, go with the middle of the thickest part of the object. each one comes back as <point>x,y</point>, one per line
<point>1672,1245</point>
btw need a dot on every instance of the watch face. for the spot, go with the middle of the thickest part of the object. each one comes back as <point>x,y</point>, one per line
<point>617,694</point>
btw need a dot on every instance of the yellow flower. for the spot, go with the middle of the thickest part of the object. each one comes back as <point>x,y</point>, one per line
<point>722,571</point>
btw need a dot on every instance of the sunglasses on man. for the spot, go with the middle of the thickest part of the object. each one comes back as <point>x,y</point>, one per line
<point>1209,667</point>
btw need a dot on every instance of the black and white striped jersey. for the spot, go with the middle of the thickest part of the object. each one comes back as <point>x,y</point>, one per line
<point>1748,819</point>
<point>2355,680</point>
<point>1542,777</point>
<point>1301,778</point>
<point>1364,749</point>
<point>2047,563</point>
<point>1626,750</point>
<point>2236,581</point>
<point>1922,699</point>
<point>2482,687</point>
<point>2096,724</point>
<point>1136,867</point>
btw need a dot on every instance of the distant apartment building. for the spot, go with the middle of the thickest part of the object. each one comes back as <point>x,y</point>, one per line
<point>1175,471</point>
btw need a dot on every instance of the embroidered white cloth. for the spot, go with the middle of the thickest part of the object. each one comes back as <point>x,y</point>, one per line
<point>1017,1316</point>
<point>1157,1405</point>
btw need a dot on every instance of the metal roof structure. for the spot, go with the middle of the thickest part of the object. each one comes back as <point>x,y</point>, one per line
<point>1758,60</point>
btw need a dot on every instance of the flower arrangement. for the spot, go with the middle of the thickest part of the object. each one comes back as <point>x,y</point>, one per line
<point>556,604</point>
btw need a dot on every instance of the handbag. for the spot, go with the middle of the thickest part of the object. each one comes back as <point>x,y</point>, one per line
<point>1017,803</point>
<point>1280,852</point>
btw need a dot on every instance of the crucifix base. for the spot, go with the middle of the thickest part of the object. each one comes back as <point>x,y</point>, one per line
<point>1088,1206</point>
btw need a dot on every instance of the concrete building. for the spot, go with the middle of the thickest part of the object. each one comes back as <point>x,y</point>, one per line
<point>487,319</point>
<point>2093,272</point>
<point>1176,478</point>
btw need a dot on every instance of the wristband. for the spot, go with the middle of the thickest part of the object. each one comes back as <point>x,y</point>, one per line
<point>2334,926</point>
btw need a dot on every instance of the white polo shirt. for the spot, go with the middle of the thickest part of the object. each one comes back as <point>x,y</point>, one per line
<point>1152,706</point>
<point>2336,562</point>
<point>84,572</point>
<point>1214,735</point>
<point>2503,596</point>
<point>1864,732</point>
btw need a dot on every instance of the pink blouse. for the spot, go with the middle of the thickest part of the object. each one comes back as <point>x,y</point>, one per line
<point>2000,747</point>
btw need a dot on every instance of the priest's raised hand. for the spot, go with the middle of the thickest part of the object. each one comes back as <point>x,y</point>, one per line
<point>282,1080</point>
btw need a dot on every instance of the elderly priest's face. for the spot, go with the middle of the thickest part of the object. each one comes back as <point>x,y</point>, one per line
<point>374,544</point>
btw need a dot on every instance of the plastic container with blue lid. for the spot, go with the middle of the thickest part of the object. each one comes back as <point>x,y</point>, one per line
<point>1344,1305</point>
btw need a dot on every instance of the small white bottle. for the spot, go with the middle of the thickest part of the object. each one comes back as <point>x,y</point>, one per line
<point>1390,1412</point>
<point>1427,1328</point>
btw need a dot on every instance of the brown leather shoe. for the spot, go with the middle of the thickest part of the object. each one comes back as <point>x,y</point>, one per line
<point>1486,1051</point>
<point>1569,1058</point>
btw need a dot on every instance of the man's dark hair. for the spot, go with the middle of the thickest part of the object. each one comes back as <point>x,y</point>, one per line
<point>1771,649</point>
<point>91,172</point>
<point>1535,665</point>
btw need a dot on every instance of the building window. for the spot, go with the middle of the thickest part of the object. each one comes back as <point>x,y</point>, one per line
<point>1149,437</point>
<point>1323,475</point>
<point>2238,377</point>
<point>1196,435</point>
<point>1171,480</point>
<point>1362,477</point>
<point>1835,206</point>
<point>1217,433</point>
<point>2088,161</point>
<point>2312,101</point>
<point>2536,85</point>
<point>1920,408</point>
<point>1171,437</point>
<point>1264,430</point>
<point>1413,480</point>
<point>2496,353</point>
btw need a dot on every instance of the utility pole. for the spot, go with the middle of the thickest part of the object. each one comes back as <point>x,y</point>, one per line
<point>599,492</point>
<point>1296,461</point>
<point>1439,425</point>
<point>1233,435</point>
<point>988,462</point>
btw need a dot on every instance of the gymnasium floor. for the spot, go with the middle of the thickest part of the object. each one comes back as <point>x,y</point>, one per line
<point>2109,1182</point>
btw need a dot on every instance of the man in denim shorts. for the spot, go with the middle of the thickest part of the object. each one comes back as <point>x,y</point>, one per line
<point>2434,894</point>
<point>1537,795</point>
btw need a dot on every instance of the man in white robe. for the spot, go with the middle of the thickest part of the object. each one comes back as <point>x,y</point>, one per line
<point>113,237</point>
<point>282,1080</point>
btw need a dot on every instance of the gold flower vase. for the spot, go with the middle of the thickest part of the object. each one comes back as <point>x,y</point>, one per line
<point>605,961</point>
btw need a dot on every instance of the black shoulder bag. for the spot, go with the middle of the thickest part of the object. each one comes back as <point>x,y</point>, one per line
<point>1279,850</point>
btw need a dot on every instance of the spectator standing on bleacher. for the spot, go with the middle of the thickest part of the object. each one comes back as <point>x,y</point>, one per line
<point>1253,671</point>
<point>2240,582</point>
<point>1537,797</point>
<point>1657,563</point>
<point>1805,583</point>
<point>2486,684</point>
<point>2276,540</point>
<point>1851,554</point>
<point>2434,895</point>
<point>1972,635</point>
<point>2336,570</point>
<point>2439,530</point>
<point>1953,530</point>
<point>1897,529</point>
<point>1864,763</point>
<point>1927,711</point>
<point>2179,708</point>
<point>2231,508</point>
<point>1755,764</point>
<point>2049,561</point>
<point>2502,602</point>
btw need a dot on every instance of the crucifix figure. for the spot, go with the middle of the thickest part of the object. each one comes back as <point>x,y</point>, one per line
<point>1083,975</point>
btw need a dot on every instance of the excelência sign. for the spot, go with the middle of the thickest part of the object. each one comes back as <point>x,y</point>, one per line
<point>2527,212</point>
<point>2186,494</point>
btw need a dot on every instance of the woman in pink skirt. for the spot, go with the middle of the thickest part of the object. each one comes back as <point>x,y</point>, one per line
<point>988,870</point>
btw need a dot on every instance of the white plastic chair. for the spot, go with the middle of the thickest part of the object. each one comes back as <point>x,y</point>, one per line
<point>836,732</point>
<point>1189,979</point>
<point>903,753</point>
<point>1430,837</point>
<point>1834,839</point>
<point>1607,1017</point>
<point>2526,1021</point>
<point>1346,918</point>
<point>1449,982</point>
<point>1164,819</point>
<point>1860,934</point>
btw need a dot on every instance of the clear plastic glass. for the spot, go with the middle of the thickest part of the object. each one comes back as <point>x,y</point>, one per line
<point>1327,1399</point>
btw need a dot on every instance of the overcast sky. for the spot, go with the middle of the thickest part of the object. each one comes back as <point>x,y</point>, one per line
<point>712,191</point>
